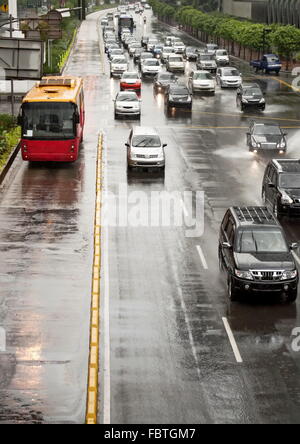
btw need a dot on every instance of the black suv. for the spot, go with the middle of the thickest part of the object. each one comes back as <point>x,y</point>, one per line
<point>178,96</point>
<point>266,137</point>
<point>255,255</point>
<point>281,187</point>
<point>250,96</point>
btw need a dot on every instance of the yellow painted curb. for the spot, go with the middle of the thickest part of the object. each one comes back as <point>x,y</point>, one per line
<point>93,368</point>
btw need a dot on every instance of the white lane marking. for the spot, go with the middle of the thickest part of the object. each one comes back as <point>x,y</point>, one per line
<point>202,257</point>
<point>186,213</point>
<point>297,259</point>
<point>232,340</point>
<point>106,312</point>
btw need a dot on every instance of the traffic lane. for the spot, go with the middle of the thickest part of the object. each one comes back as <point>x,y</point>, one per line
<point>192,159</point>
<point>46,262</point>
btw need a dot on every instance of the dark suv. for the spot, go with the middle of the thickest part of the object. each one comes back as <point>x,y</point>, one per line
<point>250,96</point>
<point>255,255</point>
<point>281,187</point>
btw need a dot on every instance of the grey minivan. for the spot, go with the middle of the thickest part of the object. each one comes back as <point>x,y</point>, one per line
<point>145,149</point>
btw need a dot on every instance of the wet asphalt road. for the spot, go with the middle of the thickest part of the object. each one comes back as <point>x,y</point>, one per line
<point>170,357</point>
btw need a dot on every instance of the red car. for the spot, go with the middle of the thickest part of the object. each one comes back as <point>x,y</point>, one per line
<point>130,81</point>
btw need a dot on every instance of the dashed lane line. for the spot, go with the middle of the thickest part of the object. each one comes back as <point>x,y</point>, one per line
<point>232,341</point>
<point>93,365</point>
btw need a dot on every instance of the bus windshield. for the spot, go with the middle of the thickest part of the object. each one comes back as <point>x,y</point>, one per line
<point>48,121</point>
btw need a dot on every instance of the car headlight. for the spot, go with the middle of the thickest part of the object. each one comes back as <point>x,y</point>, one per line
<point>254,144</point>
<point>244,275</point>
<point>282,144</point>
<point>244,100</point>
<point>262,100</point>
<point>289,275</point>
<point>285,199</point>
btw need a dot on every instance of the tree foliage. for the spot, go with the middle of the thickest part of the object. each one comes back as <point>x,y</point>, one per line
<point>285,39</point>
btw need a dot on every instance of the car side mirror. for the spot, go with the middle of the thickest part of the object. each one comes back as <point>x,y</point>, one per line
<point>271,185</point>
<point>285,134</point>
<point>294,246</point>
<point>226,245</point>
<point>127,145</point>
<point>164,145</point>
<point>20,120</point>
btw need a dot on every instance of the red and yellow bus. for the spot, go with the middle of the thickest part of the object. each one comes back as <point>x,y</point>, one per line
<point>52,120</point>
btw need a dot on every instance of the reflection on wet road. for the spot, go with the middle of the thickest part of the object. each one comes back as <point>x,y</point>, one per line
<point>170,357</point>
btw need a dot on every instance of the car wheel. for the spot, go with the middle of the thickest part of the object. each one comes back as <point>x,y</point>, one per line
<point>231,292</point>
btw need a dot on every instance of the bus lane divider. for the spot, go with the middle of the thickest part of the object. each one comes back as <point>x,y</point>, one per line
<point>93,365</point>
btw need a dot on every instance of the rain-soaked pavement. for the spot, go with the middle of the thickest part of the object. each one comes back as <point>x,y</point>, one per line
<point>170,357</point>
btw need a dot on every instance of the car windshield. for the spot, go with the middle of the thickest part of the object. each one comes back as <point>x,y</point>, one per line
<point>288,181</point>
<point>179,91</point>
<point>116,51</point>
<point>261,241</point>
<point>46,121</point>
<point>126,98</point>
<point>252,92</point>
<point>267,130</point>
<point>178,44</point>
<point>203,76</point>
<point>191,49</point>
<point>146,141</point>
<point>167,76</point>
<point>152,62</point>
<point>272,59</point>
<point>168,50</point>
<point>206,57</point>
<point>175,59</point>
<point>119,60</point>
<point>231,72</point>
<point>130,75</point>
<point>211,46</point>
<point>221,52</point>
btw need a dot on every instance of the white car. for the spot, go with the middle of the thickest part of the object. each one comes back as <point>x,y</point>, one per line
<point>222,57</point>
<point>167,50</point>
<point>151,43</point>
<point>202,81</point>
<point>228,77</point>
<point>127,103</point>
<point>150,67</point>
<point>145,149</point>
<point>179,47</point>
<point>132,47</point>
<point>176,63</point>
<point>118,66</point>
<point>206,62</point>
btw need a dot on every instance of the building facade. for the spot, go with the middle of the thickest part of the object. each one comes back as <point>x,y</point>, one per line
<point>286,12</point>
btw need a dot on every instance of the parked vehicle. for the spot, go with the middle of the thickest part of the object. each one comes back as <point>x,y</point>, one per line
<point>145,149</point>
<point>163,80</point>
<point>281,187</point>
<point>127,103</point>
<point>268,63</point>
<point>266,137</point>
<point>131,81</point>
<point>222,57</point>
<point>206,62</point>
<point>255,255</point>
<point>175,63</point>
<point>228,77</point>
<point>178,96</point>
<point>250,96</point>
<point>202,81</point>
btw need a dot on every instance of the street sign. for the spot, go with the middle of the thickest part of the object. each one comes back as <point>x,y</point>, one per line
<point>21,59</point>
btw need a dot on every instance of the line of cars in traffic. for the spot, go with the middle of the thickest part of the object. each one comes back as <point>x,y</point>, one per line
<point>254,253</point>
